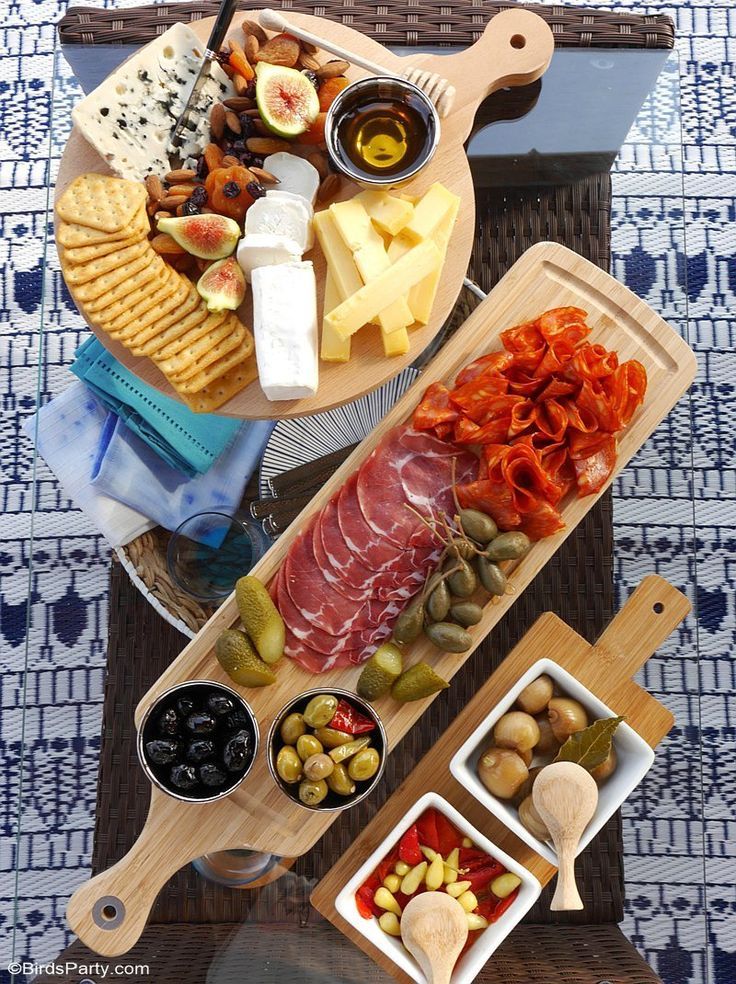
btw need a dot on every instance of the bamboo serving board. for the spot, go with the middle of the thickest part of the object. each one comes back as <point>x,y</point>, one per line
<point>258,815</point>
<point>605,668</point>
<point>515,49</point>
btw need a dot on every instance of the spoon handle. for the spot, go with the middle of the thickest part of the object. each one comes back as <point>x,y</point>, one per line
<point>566,897</point>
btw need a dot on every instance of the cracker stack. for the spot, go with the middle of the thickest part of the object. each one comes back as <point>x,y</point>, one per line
<point>124,287</point>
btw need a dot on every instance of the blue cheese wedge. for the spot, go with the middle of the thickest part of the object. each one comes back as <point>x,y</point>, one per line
<point>285,330</point>
<point>130,118</point>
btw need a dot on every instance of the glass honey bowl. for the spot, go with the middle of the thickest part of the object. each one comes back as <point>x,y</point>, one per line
<point>381,131</point>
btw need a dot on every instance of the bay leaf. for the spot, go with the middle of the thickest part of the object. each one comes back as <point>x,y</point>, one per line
<point>591,746</point>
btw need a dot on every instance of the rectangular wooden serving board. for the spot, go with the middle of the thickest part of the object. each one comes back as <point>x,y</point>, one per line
<point>606,668</point>
<point>258,815</point>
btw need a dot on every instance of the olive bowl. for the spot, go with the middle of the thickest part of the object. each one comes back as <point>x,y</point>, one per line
<point>196,690</point>
<point>332,802</point>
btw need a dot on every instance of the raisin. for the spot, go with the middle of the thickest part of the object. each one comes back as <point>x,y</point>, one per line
<point>199,197</point>
<point>255,189</point>
<point>312,76</point>
<point>246,124</point>
<point>231,189</point>
<point>190,208</point>
<point>202,169</point>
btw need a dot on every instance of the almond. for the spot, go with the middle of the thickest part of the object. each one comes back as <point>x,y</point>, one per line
<point>309,61</point>
<point>331,69</point>
<point>310,48</point>
<point>260,127</point>
<point>161,215</point>
<point>265,177</point>
<point>229,161</point>
<point>251,46</point>
<point>228,70</point>
<point>182,189</point>
<point>240,84</point>
<point>329,187</point>
<point>217,120</point>
<point>164,244</point>
<point>181,174</point>
<point>173,201</point>
<point>233,122</point>
<point>153,207</point>
<point>238,103</point>
<point>267,145</point>
<point>255,30</point>
<point>319,161</point>
<point>154,187</point>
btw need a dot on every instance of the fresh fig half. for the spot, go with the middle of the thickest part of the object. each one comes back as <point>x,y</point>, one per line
<point>222,285</point>
<point>287,100</point>
<point>211,237</point>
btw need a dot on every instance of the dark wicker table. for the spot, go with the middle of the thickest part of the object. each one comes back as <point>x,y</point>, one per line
<point>200,931</point>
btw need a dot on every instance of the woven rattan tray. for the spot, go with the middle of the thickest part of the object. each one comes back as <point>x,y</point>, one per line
<point>577,215</point>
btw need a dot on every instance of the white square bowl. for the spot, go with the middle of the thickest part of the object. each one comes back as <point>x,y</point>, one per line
<point>471,963</point>
<point>634,759</point>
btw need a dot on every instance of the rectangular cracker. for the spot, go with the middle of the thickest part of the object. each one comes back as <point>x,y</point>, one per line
<point>122,291</point>
<point>128,274</point>
<point>95,251</point>
<point>92,269</point>
<point>171,328</point>
<point>232,340</point>
<point>141,313</point>
<point>212,397</point>
<point>71,234</point>
<point>196,343</point>
<point>108,314</point>
<point>101,202</point>
<point>211,372</point>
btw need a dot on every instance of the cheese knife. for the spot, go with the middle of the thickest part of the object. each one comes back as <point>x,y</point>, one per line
<point>187,121</point>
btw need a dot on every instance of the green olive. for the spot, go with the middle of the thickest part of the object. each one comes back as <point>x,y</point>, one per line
<point>508,546</point>
<point>308,745</point>
<point>312,791</point>
<point>330,738</point>
<point>318,766</point>
<point>477,525</point>
<point>292,728</point>
<point>463,582</point>
<point>340,782</point>
<point>289,765</point>
<point>409,624</point>
<point>364,765</point>
<point>346,751</point>
<point>438,604</point>
<point>465,613</point>
<point>448,637</point>
<point>491,576</point>
<point>320,710</point>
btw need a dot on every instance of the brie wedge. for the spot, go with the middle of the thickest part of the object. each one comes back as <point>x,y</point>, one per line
<point>285,329</point>
<point>278,217</point>
<point>295,174</point>
<point>258,249</point>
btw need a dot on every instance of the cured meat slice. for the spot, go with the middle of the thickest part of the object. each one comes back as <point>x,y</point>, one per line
<point>361,539</point>
<point>330,571</point>
<point>310,659</point>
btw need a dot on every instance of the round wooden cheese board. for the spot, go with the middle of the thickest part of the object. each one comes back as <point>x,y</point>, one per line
<point>515,49</point>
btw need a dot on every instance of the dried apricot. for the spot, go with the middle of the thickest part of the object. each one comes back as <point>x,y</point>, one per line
<point>227,191</point>
<point>316,132</point>
<point>282,49</point>
<point>239,61</point>
<point>329,90</point>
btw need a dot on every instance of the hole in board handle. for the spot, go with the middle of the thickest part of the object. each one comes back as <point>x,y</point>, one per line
<point>108,912</point>
<point>657,607</point>
<point>518,41</point>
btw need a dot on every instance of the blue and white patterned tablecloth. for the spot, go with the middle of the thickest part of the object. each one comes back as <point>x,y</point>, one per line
<point>683,813</point>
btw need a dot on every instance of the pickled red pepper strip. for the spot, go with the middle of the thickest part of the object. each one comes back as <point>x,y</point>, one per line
<point>352,722</point>
<point>557,399</point>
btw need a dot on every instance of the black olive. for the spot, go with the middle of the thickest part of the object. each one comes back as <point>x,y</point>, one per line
<point>168,723</point>
<point>219,704</point>
<point>185,705</point>
<point>200,723</point>
<point>236,753</point>
<point>312,76</point>
<point>183,776</point>
<point>200,749</point>
<point>231,189</point>
<point>235,721</point>
<point>199,196</point>
<point>162,751</point>
<point>255,189</point>
<point>212,775</point>
<point>190,208</point>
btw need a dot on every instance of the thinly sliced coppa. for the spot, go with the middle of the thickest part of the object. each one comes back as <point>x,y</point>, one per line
<point>347,577</point>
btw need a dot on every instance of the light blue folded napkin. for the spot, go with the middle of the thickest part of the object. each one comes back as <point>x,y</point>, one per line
<point>187,441</point>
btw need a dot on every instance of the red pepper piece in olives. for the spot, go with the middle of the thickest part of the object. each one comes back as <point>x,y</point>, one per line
<point>237,751</point>
<point>162,751</point>
<point>200,723</point>
<point>200,749</point>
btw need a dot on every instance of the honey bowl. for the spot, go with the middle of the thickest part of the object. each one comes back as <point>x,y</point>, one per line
<point>381,132</point>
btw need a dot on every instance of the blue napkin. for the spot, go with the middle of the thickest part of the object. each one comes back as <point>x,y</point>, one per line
<point>189,442</point>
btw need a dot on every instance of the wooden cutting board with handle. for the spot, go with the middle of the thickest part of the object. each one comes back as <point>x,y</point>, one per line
<point>515,49</point>
<point>258,815</point>
<point>606,668</point>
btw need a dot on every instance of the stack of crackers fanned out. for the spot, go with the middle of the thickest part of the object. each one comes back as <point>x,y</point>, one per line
<point>124,287</point>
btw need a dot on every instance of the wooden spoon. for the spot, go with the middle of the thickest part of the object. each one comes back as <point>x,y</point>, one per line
<point>434,928</point>
<point>565,796</point>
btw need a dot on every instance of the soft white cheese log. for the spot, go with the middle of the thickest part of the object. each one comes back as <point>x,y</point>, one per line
<point>258,249</point>
<point>285,329</point>
<point>281,217</point>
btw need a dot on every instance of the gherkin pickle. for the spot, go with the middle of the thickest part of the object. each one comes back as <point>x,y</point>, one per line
<point>346,751</point>
<point>364,765</point>
<point>339,781</point>
<point>289,765</point>
<point>307,745</point>
<point>379,672</point>
<point>438,604</point>
<point>292,728</point>
<point>318,766</point>
<point>330,738</point>
<point>312,792</point>
<point>320,710</point>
